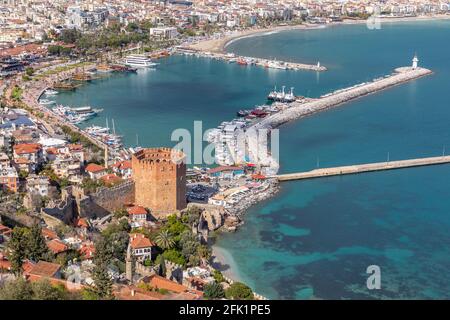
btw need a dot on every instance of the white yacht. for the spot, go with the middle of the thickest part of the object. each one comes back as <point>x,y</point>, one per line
<point>139,60</point>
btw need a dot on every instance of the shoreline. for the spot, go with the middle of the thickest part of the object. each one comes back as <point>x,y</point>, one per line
<point>220,45</point>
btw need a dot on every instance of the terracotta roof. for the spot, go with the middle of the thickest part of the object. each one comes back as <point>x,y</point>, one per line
<point>21,161</point>
<point>5,264</point>
<point>51,150</point>
<point>87,250</point>
<point>49,234</point>
<point>137,210</point>
<point>57,246</point>
<point>81,223</point>
<point>71,286</point>
<point>27,266</point>
<point>4,230</point>
<point>138,241</point>
<point>93,167</point>
<point>75,147</point>
<point>162,283</point>
<point>110,178</point>
<point>258,177</point>
<point>134,293</point>
<point>122,165</point>
<point>44,268</point>
<point>25,148</point>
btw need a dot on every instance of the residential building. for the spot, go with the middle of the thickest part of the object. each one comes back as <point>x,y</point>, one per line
<point>141,246</point>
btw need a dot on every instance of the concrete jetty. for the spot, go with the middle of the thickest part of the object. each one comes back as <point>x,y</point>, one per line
<point>354,169</point>
<point>266,63</point>
<point>300,108</point>
<point>305,107</point>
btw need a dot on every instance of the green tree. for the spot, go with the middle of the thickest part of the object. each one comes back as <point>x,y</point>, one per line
<point>174,256</point>
<point>36,247</point>
<point>119,243</point>
<point>214,290</point>
<point>162,266</point>
<point>164,240</point>
<point>18,289</point>
<point>102,288</point>
<point>18,247</point>
<point>239,291</point>
<point>44,290</point>
<point>218,276</point>
<point>29,71</point>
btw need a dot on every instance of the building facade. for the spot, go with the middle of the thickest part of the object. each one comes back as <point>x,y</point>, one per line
<point>159,175</point>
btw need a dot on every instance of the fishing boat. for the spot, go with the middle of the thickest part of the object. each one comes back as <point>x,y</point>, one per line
<point>243,113</point>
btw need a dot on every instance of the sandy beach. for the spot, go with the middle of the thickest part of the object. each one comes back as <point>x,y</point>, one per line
<point>224,262</point>
<point>219,45</point>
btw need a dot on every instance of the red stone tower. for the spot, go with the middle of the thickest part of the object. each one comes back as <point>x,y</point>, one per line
<point>159,175</point>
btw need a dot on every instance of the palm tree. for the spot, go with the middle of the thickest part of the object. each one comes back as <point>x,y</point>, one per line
<point>164,240</point>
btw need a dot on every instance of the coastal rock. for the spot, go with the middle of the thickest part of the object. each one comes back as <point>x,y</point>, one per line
<point>231,223</point>
<point>214,217</point>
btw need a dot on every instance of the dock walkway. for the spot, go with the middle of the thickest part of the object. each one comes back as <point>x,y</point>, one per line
<point>360,168</point>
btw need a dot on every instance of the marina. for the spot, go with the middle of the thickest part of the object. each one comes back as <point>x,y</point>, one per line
<point>236,142</point>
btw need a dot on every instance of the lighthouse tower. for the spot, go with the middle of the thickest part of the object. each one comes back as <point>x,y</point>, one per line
<point>415,62</point>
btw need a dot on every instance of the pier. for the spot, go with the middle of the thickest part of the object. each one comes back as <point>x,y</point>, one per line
<point>266,63</point>
<point>360,168</point>
<point>305,107</point>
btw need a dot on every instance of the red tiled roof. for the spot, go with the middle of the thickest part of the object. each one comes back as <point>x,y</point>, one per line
<point>162,283</point>
<point>71,286</point>
<point>122,165</point>
<point>137,210</point>
<point>5,264</point>
<point>57,246</point>
<point>133,293</point>
<point>110,178</point>
<point>49,234</point>
<point>4,230</point>
<point>21,161</point>
<point>51,150</point>
<point>25,148</point>
<point>138,241</point>
<point>75,147</point>
<point>93,167</point>
<point>258,176</point>
<point>44,268</point>
<point>87,250</point>
<point>81,223</point>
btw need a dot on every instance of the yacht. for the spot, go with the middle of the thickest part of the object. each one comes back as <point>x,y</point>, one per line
<point>50,92</point>
<point>139,60</point>
<point>46,102</point>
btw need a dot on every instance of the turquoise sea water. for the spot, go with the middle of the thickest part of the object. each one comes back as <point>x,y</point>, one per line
<point>316,238</point>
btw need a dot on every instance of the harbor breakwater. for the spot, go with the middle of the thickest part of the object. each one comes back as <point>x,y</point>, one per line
<point>302,108</point>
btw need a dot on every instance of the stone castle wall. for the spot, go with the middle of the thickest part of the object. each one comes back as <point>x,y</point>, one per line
<point>105,200</point>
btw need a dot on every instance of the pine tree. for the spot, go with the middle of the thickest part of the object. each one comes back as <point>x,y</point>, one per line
<point>103,285</point>
<point>102,281</point>
<point>162,267</point>
<point>17,247</point>
<point>37,248</point>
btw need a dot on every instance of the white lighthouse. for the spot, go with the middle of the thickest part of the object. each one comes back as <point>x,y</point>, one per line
<point>415,62</point>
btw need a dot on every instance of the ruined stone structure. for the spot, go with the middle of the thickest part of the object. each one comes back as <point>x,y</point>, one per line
<point>159,175</point>
<point>75,203</point>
